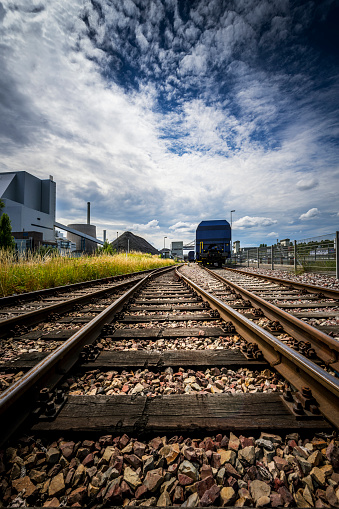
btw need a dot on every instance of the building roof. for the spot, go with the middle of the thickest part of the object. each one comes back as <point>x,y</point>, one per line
<point>5,181</point>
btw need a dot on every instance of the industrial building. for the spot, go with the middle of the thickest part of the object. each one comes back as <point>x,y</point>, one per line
<point>236,246</point>
<point>165,252</point>
<point>30,204</point>
<point>83,243</point>
<point>64,245</point>
<point>177,250</point>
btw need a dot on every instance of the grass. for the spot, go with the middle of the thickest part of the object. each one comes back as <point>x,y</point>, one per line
<point>318,265</point>
<point>36,273</point>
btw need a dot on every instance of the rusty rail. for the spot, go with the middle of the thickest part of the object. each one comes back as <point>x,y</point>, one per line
<point>297,369</point>
<point>330,293</point>
<point>37,315</point>
<point>325,347</point>
<point>16,402</point>
<point>45,292</point>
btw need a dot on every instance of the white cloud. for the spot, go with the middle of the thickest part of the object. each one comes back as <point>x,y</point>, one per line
<point>229,138</point>
<point>307,183</point>
<point>142,41</point>
<point>195,63</point>
<point>273,234</point>
<point>182,225</point>
<point>151,225</point>
<point>310,214</point>
<point>183,231</point>
<point>253,222</point>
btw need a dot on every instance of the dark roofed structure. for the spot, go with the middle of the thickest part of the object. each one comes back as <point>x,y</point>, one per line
<point>135,244</point>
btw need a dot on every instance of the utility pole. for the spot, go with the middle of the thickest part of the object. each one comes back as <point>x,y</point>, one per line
<point>231,247</point>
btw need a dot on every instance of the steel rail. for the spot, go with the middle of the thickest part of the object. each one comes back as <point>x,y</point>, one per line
<point>294,367</point>
<point>36,294</point>
<point>17,400</point>
<point>326,348</point>
<point>32,317</point>
<point>330,293</point>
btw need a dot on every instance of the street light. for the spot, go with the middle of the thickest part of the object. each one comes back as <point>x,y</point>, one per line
<point>117,242</point>
<point>231,230</point>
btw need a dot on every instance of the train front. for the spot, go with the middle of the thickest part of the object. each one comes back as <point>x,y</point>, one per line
<point>213,242</point>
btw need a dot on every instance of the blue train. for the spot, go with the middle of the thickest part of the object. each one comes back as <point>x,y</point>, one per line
<point>213,242</point>
<point>191,256</point>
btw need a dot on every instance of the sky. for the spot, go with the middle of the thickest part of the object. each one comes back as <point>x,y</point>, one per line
<point>165,113</point>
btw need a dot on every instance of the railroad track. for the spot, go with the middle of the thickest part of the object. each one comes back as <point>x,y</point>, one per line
<point>29,308</point>
<point>167,357</point>
<point>304,316</point>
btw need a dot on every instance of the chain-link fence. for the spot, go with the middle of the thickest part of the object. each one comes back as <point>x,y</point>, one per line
<point>265,256</point>
<point>317,254</point>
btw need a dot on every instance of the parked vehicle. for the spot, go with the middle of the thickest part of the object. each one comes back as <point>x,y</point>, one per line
<point>191,256</point>
<point>213,242</point>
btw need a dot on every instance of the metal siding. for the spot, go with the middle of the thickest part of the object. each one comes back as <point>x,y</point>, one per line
<point>217,233</point>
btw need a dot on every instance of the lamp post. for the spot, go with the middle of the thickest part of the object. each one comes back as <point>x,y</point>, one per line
<point>117,242</point>
<point>231,231</point>
<point>164,247</point>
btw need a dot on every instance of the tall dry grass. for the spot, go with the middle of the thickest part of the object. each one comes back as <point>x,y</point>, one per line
<point>35,273</point>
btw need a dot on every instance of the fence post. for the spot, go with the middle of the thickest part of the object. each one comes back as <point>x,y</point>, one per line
<point>258,257</point>
<point>337,255</point>
<point>295,256</point>
<point>272,263</point>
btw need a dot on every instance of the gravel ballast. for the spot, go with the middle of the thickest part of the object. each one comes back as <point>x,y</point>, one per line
<point>223,470</point>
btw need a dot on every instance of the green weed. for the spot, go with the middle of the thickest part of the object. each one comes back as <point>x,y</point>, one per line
<point>37,272</point>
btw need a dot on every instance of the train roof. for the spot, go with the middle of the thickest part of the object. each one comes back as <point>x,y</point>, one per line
<point>214,223</point>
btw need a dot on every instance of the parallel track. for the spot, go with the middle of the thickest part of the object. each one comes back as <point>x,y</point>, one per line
<point>309,340</point>
<point>31,307</point>
<point>82,391</point>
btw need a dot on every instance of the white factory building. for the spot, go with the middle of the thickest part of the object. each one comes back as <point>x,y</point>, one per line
<point>30,205</point>
<point>29,202</point>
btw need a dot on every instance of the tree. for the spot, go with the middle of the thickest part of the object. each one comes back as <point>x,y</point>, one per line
<point>6,239</point>
<point>2,205</point>
<point>105,249</point>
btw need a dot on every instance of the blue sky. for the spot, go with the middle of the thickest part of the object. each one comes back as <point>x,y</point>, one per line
<point>164,113</point>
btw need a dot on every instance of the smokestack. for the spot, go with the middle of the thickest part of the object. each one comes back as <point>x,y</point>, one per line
<point>88,212</point>
<point>104,235</point>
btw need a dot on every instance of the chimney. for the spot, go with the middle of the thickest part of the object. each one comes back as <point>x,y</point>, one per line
<point>88,212</point>
<point>104,235</point>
